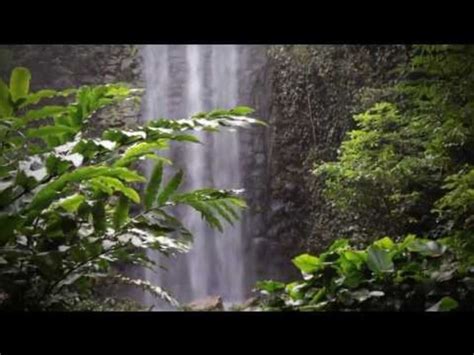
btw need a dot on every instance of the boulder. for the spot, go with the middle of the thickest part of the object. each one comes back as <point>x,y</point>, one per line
<point>212,303</point>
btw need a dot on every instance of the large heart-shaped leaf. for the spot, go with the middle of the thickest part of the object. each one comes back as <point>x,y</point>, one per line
<point>307,263</point>
<point>379,260</point>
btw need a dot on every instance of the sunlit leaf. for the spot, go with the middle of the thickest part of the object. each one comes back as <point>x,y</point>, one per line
<point>19,83</point>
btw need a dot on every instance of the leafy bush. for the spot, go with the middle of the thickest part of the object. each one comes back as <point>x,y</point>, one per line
<point>407,168</point>
<point>412,275</point>
<point>71,207</point>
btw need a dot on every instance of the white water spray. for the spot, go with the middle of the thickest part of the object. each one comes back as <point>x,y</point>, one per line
<point>182,80</point>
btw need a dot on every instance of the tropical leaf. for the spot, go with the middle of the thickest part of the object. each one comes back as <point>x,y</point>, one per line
<point>121,212</point>
<point>110,185</point>
<point>170,188</point>
<point>52,190</point>
<point>207,213</point>
<point>19,83</point>
<point>307,263</point>
<point>6,109</point>
<point>138,150</point>
<point>71,203</point>
<point>35,97</point>
<point>379,260</point>
<point>270,286</point>
<point>212,203</point>
<point>153,186</point>
<point>446,304</point>
<point>241,111</point>
<point>44,112</point>
<point>47,131</point>
<point>147,286</point>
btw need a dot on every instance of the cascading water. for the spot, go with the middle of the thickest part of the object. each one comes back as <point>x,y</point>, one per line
<point>182,80</point>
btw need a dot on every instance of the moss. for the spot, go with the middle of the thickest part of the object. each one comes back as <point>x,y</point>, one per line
<point>316,91</point>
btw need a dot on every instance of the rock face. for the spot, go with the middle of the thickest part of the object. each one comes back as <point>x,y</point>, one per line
<point>66,66</point>
<point>314,92</point>
<point>213,303</point>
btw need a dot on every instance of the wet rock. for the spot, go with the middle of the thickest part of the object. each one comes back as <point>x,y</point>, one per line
<point>260,158</point>
<point>212,303</point>
<point>251,302</point>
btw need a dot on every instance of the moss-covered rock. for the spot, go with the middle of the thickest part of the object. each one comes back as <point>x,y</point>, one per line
<point>315,92</point>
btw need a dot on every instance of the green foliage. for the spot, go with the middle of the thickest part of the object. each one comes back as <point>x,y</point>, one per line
<point>170,188</point>
<point>71,207</point>
<point>212,204</point>
<point>386,276</point>
<point>19,83</point>
<point>307,263</point>
<point>407,167</point>
<point>405,170</point>
<point>153,186</point>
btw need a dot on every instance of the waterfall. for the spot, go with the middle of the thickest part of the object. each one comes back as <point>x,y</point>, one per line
<point>182,80</point>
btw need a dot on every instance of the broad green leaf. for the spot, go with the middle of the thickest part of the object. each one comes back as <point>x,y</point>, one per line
<point>294,290</point>
<point>185,138</point>
<point>241,111</point>
<point>379,260</point>
<point>122,136</point>
<point>446,304</point>
<point>270,286</point>
<point>340,244</point>
<point>71,203</point>
<point>350,262</point>
<point>19,83</point>
<point>44,112</point>
<point>407,241</point>
<point>385,243</point>
<point>153,186</point>
<point>138,150</point>
<point>6,109</point>
<point>427,247</point>
<point>52,190</point>
<point>307,263</point>
<point>46,131</point>
<point>109,185</point>
<point>170,188</point>
<point>131,194</point>
<point>35,97</point>
<point>356,256</point>
<point>121,212</point>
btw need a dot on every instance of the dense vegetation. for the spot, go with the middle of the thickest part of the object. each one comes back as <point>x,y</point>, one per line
<point>74,205</point>
<point>408,169</point>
